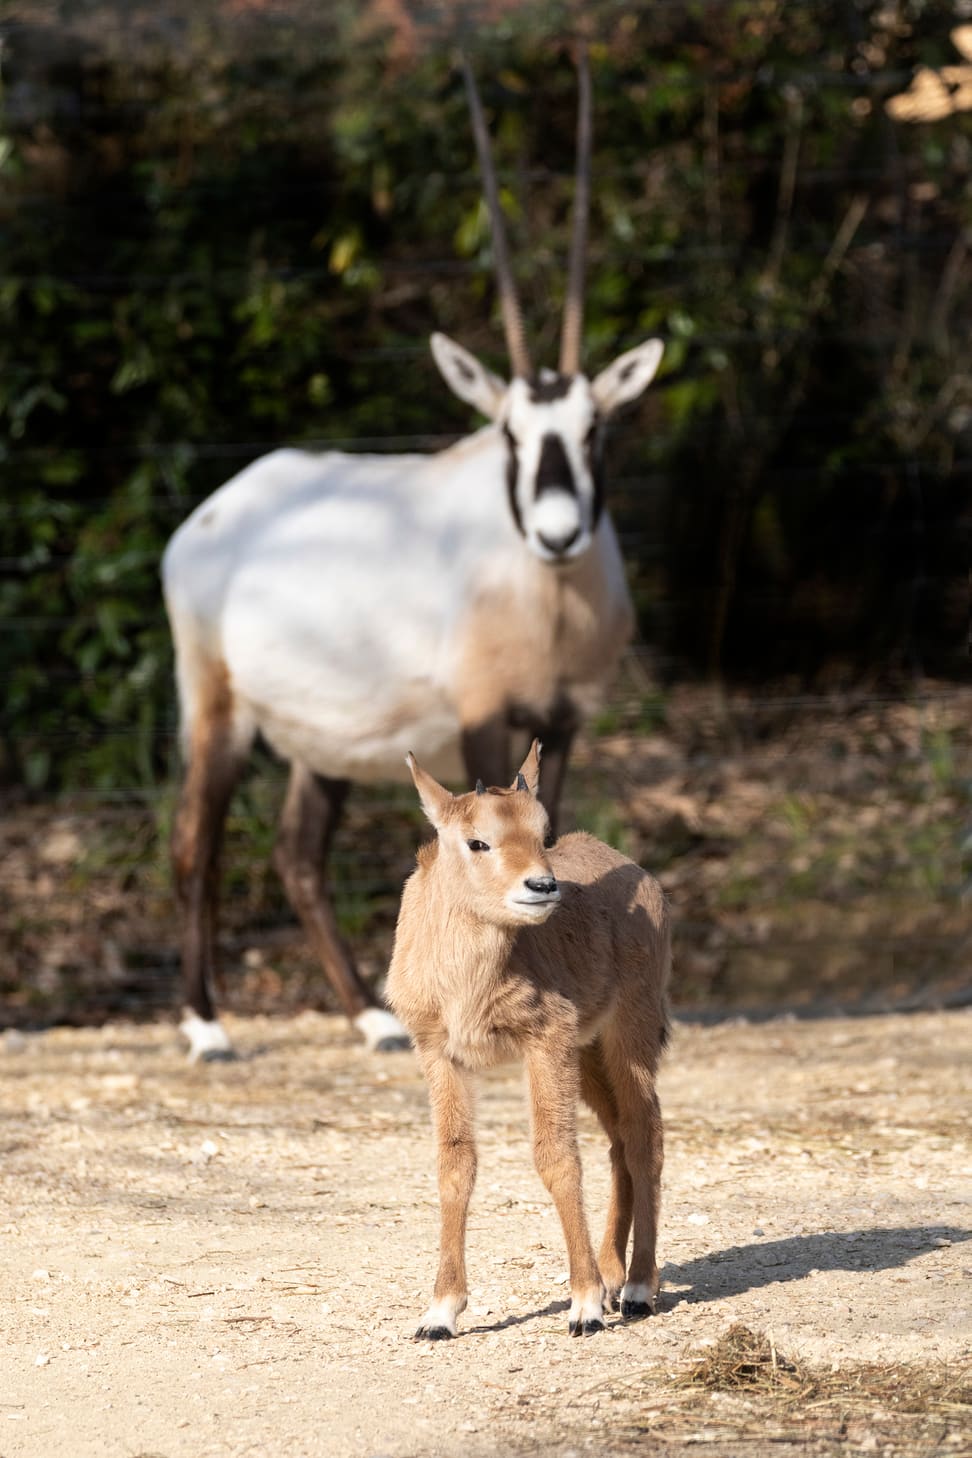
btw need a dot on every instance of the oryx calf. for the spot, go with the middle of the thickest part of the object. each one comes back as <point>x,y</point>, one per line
<point>478,976</point>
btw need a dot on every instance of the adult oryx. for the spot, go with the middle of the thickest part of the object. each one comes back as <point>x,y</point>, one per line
<point>352,607</point>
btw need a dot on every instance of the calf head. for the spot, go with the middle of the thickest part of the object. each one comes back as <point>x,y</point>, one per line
<point>491,845</point>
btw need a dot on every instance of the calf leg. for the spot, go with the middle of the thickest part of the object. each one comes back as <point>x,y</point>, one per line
<point>452,1117</point>
<point>596,1091</point>
<point>640,1128</point>
<point>553,1079</point>
<point>311,812</point>
<point>216,755</point>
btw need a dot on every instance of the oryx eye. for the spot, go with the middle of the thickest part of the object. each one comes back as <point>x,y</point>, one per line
<point>510,438</point>
<point>477,845</point>
<point>591,435</point>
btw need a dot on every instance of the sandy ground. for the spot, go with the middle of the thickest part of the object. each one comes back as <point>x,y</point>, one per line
<point>231,1259</point>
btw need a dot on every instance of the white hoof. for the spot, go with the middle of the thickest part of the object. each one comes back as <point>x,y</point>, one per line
<point>586,1314</point>
<point>439,1322</point>
<point>381,1030</point>
<point>638,1300</point>
<point>207,1040</point>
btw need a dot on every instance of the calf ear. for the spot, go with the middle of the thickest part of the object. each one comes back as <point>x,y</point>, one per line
<point>466,377</point>
<point>625,379</point>
<point>528,775</point>
<point>434,797</point>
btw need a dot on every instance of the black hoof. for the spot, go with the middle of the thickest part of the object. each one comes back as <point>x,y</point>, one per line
<point>392,1045</point>
<point>585,1328</point>
<point>433,1334</point>
<point>218,1055</point>
<point>636,1310</point>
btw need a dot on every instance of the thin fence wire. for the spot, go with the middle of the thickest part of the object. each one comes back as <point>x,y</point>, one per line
<point>739,712</point>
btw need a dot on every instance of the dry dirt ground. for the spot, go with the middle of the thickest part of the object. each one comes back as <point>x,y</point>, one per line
<point>231,1259</point>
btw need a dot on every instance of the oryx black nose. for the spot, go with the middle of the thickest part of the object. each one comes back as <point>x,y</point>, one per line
<point>542,885</point>
<point>560,543</point>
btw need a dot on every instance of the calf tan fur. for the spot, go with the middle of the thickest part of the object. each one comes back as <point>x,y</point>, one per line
<point>560,957</point>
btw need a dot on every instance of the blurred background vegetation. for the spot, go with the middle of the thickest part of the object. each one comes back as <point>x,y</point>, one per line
<point>230,224</point>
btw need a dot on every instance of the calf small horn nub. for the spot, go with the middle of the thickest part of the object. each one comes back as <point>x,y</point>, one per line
<point>480,788</point>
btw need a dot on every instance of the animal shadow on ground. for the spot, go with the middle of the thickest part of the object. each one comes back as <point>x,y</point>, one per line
<point>741,1268</point>
<point>553,1308</point>
<point>731,1272</point>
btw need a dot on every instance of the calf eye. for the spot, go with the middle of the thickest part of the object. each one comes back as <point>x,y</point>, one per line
<point>477,845</point>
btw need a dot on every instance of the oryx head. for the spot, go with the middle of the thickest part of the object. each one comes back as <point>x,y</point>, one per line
<point>552,419</point>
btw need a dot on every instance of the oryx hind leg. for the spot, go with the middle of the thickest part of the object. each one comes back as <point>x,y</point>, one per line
<point>311,813</point>
<point>217,741</point>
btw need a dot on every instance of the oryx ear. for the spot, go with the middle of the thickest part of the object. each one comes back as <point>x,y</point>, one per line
<point>466,377</point>
<point>625,379</point>
<point>528,775</point>
<point>435,799</point>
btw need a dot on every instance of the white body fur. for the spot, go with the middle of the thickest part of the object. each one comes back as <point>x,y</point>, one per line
<point>340,594</point>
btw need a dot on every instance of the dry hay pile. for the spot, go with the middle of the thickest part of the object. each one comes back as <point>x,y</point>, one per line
<point>743,1395</point>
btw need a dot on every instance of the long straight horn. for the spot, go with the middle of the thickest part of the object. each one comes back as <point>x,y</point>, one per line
<point>570,339</point>
<point>509,303</point>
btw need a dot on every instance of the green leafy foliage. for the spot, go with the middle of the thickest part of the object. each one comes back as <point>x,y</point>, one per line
<point>229,227</point>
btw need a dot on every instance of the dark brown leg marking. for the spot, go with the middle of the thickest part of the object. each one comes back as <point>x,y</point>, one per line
<point>310,817</point>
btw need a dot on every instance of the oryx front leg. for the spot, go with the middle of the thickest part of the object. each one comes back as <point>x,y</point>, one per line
<point>553,1077</point>
<point>218,742</point>
<point>451,1103</point>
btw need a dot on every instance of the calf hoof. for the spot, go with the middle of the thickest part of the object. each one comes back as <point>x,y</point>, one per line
<point>439,1322</point>
<point>585,1328</point>
<point>638,1300</point>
